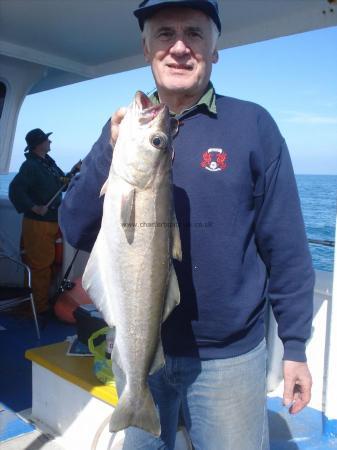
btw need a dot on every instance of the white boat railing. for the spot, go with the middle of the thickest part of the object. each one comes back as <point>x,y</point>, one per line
<point>330,418</point>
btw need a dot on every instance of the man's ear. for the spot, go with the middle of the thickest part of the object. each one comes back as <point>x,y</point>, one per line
<point>145,51</point>
<point>215,57</point>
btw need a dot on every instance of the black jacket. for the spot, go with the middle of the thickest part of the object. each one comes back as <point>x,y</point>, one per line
<point>36,183</point>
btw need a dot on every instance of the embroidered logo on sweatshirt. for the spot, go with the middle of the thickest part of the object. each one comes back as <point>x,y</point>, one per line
<point>214,159</point>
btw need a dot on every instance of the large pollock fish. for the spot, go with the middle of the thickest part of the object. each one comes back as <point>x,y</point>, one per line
<point>129,275</point>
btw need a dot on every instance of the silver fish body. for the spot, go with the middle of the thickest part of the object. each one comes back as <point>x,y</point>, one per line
<point>129,275</point>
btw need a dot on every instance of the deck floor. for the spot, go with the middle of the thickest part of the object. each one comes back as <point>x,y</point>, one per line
<point>17,334</point>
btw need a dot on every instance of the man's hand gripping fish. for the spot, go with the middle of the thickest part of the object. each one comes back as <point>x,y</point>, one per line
<point>129,275</point>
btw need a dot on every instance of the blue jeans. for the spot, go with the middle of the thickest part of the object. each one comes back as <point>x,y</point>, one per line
<point>222,402</point>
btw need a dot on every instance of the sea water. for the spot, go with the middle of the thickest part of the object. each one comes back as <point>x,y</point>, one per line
<point>318,195</point>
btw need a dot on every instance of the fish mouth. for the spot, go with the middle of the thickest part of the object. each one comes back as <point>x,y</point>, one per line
<point>142,100</point>
<point>148,110</point>
<point>154,111</point>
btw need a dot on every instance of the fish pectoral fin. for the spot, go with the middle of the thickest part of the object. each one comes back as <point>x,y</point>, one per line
<point>172,295</point>
<point>159,359</point>
<point>104,188</point>
<point>128,206</point>
<point>176,242</point>
<point>128,214</point>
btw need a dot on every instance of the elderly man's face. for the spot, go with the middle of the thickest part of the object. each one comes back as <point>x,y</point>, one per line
<point>179,44</point>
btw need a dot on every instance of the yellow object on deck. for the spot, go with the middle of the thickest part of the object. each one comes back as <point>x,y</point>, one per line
<point>76,369</point>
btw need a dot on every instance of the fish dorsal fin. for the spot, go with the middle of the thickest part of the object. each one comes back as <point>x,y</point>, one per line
<point>172,295</point>
<point>176,242</point>
<point>128,214</point>
<point>104,187</point>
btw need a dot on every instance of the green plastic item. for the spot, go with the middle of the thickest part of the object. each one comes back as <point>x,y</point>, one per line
<point>102,365</point>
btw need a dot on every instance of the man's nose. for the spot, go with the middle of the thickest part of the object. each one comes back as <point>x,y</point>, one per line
<point>179,47</point>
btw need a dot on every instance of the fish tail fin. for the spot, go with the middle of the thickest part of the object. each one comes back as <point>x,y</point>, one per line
<point>136,411</point>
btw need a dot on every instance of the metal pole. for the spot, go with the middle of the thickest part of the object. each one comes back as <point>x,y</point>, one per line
<point>330,416</point>
<point>55,195</point>
<point>73,172</point>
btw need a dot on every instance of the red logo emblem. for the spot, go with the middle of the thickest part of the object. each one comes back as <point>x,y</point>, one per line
<point>214,159</point>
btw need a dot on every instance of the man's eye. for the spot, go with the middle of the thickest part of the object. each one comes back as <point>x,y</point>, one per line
<point>194,34</point>
<point>165,36</point>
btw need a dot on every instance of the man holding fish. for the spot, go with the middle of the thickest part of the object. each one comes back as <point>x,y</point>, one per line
<point>188,299</point>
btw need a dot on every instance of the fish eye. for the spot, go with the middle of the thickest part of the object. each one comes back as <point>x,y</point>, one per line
<point>158,140</point>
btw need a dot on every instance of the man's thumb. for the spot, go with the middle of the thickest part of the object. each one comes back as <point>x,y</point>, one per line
<point>288,394</point>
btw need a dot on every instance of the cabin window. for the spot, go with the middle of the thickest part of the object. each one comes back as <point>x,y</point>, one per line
<point>2,96</point>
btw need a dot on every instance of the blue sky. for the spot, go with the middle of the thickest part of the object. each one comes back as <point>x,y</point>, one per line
<point>293,77</point>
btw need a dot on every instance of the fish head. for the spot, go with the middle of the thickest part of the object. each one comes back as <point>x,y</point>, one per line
<point>144,144</point>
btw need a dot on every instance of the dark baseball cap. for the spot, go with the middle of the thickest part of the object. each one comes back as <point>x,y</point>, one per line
<point>149,7</point>
<point>35,137</point>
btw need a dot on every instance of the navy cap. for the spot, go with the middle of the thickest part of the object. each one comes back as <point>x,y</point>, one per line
<point>149,7</point>
<point>35,137</point>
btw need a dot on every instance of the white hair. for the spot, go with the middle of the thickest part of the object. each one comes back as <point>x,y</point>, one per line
<point>214,29</point>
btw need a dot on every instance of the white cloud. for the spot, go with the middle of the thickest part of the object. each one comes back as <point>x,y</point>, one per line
<point>308,118</point>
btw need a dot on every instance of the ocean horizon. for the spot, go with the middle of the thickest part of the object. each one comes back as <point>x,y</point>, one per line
<point>318,195</point>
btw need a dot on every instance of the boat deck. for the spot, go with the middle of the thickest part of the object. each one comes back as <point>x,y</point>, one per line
<point>17,334</point>
<point>300,432</point>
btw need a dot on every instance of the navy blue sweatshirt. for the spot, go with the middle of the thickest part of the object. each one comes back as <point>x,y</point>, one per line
<point>241,227</point>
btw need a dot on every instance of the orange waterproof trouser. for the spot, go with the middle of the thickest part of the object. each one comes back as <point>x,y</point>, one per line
<point>39,246</point>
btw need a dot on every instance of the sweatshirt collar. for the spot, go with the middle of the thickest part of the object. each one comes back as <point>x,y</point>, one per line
<point>207,100</point>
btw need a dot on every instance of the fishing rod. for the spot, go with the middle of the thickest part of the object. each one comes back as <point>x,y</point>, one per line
<point>72,172</point>
<point>55,195</point>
